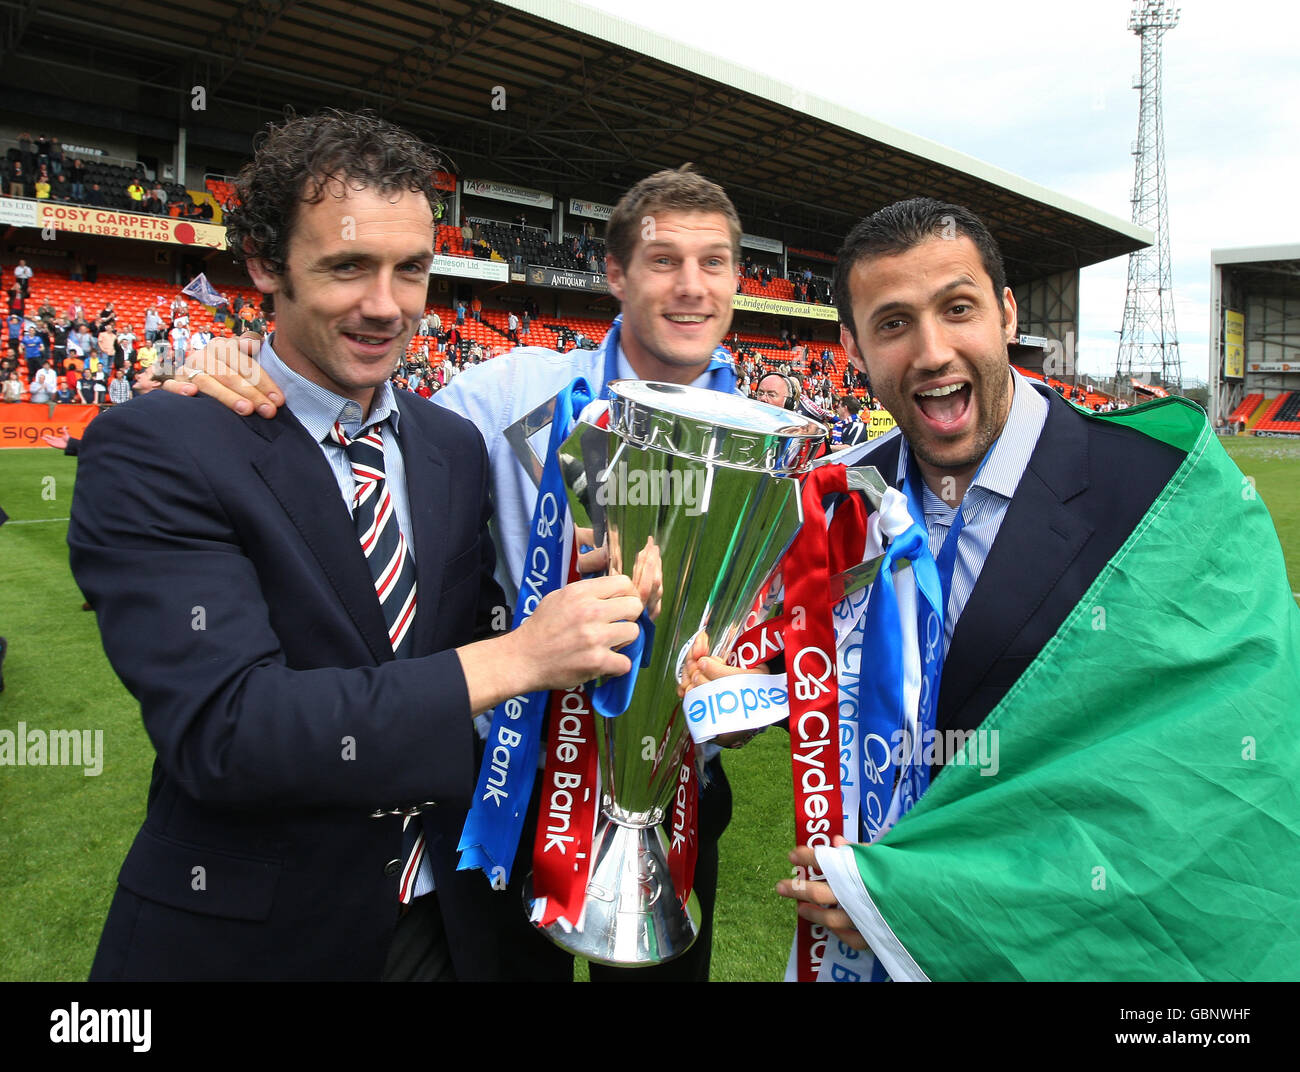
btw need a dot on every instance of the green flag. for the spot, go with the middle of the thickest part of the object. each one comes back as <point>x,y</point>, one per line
<point>1144,821</point>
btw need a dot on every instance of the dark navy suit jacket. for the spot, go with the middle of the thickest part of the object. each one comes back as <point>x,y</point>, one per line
<point>1087,484</point>
<point>236,605</point>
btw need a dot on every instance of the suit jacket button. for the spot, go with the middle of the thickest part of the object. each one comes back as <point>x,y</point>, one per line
<point>392,867</point>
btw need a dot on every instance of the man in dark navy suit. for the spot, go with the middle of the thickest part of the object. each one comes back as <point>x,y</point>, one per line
<point>301,692</point>
<point>1044,495</point>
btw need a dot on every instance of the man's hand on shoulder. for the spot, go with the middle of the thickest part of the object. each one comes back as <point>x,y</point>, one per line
<point>227,370</point>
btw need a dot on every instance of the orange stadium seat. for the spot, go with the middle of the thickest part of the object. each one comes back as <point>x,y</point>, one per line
<point>1248,405</point>
<point>777,288</point>
<point>1271,411</point>
<point>451,237</point>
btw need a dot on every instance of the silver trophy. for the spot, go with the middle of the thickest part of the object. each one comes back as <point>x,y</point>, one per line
<point>698,489</point>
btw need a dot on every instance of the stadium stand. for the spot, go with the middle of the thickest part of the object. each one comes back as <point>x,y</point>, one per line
<point>1283,415</point>
<point>1271,410</point>
<point>222,188</point>
<point>130,295</point>
<point>779,288</point>
<point>1080,396</point>
<point>1257,414</point>
<point>111,179</point>
<point>507,241</point>
<point>530,245</point>
<point>449,241</point>
<point>1243,412</point>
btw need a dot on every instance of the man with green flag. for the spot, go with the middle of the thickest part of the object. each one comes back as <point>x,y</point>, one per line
<point>1117,620</point>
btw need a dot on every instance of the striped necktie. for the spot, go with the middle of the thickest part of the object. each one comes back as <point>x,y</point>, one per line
<point>393,570</point>
<point>391,565</point>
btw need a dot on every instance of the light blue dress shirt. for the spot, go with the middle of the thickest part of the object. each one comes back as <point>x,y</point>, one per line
<point>317,408</point>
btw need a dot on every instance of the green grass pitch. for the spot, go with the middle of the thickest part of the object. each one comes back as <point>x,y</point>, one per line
<point>63,835</point>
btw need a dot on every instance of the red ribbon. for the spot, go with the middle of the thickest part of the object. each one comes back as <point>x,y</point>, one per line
<point>683,810</point>
<point>567,818</point>
<point>847,537</point>
<point>566,821</point>
<point>811,682</point>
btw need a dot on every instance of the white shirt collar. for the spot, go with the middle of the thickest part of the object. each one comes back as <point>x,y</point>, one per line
<point>318,408</point>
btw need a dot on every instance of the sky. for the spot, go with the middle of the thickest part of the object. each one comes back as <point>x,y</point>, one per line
<point>1043,90</point>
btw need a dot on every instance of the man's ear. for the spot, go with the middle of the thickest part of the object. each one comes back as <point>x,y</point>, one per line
<point>1009,315</point>
<point>264,279</point>
<point>614,275</point>
<point>263,276</point>
<point>851,348</point>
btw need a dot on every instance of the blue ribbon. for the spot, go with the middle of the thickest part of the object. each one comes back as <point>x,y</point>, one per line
<point>881,697</point>
<point>505,782</point>
<point>614,695</point>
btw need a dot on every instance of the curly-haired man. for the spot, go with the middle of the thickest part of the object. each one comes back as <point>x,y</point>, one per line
<point>318,585</point>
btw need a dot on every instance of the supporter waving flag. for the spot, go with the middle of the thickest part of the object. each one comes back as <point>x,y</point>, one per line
<point>209,297</point>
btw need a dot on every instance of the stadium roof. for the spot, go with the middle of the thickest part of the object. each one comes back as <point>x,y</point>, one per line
<point>1273,270</point>
<point>591,103</point>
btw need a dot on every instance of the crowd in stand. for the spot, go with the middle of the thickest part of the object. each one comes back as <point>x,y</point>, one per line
<point>78,356</point>
<point>809,288</point>
<point>40,169</point>
<point>522,245</point>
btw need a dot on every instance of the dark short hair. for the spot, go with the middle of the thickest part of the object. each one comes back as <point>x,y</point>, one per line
<point>904,225</point>
<point>672,190</point>
<point>850,403</point>
<point>295,163</point>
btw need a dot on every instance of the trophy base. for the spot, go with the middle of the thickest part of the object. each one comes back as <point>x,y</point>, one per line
<point>632,917</point>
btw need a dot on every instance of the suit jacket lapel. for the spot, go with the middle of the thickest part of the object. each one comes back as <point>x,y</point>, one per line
<point>428,493</point>
<point>299,477</point>
<point>1038,539</point>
